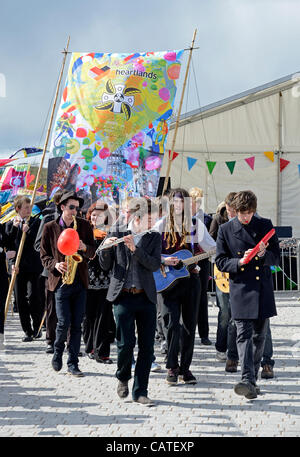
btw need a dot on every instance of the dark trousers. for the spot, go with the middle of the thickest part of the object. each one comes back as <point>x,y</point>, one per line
<point>28,300</point>
<point>3,295</point>
<point>70,307</point>
<point>251,335</point>
<point>97,323</point>
<point>135,311</point>
<point>161,330</point>
<point>203,327</point>
<point>51,318</point>
<point>226,330</point>
<point>181,304</point>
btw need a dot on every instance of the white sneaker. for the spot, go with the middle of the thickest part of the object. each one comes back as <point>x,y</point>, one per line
<point>221,356</point>
<point>155,367</point>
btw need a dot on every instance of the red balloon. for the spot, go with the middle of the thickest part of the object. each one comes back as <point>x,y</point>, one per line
<point>68,242</point>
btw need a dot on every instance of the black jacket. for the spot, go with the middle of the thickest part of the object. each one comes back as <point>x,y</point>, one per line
<point>117,258</point>
<point>251,285</point>
<point>30,260</point>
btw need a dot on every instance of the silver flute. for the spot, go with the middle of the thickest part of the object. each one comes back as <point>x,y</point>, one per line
<point>120,240</point>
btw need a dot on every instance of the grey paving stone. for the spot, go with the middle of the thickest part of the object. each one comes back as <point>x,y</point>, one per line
<point>36,401</point>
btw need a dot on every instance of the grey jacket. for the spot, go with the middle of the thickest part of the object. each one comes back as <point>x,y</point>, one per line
<point>118,258</point>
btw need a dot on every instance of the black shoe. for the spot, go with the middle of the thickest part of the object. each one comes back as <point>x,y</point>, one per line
<point>91,355</point>
<point>122,389</point>
<point>105,360</point>
<point>231,366</point>
<point>57,362</point>
<point>172,376</point>
<point>74,371</point>
<point>247,389</point>
<point>37,335</point>
<point>187,377</point>
<point>27,338</point>
<point>49,349</point>
<point>206,341</point>
<point>267,372</point>
<point>145,401</point>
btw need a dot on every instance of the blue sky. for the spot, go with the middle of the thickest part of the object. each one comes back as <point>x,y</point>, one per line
<point>242,44</point>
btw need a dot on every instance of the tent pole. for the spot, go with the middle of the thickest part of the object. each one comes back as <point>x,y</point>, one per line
<point>178,116</point>
<point>21,246</point>
<point>279,187</point>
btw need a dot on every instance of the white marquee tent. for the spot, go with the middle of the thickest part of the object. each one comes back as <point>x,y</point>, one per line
<point>246,126</point>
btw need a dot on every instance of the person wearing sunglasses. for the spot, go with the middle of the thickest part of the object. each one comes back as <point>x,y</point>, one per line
<point>70,299</point>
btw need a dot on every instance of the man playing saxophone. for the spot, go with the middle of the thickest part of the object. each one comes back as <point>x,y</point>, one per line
<point>69,287</point>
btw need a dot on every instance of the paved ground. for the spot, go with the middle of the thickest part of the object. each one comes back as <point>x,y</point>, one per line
<point>36,401</point>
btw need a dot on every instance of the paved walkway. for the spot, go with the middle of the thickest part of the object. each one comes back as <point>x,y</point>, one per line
<point>36,401</point>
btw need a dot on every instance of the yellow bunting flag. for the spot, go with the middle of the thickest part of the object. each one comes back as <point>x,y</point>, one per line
<point>270,155</point>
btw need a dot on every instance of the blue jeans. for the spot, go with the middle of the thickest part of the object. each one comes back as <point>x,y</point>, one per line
<point>226,331</point>
<point>70,307</point>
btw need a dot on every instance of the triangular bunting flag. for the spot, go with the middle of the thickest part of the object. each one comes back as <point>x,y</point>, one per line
<point>175,154</point>
<point>210,166</point>
<point>270,155</point>
<point>231,165</point>
<point>191,162</point>
<point>283,163</point>
<point>250,161</point>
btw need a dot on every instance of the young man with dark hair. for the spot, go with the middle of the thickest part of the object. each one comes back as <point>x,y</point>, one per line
<point>133,292</point>
<point>251,285</point>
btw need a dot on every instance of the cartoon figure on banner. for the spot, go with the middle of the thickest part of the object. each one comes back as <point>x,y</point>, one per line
<point>118,99</point>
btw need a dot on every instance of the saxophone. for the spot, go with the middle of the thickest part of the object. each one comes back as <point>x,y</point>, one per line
<point>72,263</point>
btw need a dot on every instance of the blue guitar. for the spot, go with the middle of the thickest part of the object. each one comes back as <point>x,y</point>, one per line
<point>167,275</point>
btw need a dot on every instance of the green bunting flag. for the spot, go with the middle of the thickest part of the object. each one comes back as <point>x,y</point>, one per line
<point>231,166</point>
<point>210,166</point>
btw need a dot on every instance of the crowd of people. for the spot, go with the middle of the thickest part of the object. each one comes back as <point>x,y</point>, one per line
<point>108,290</point>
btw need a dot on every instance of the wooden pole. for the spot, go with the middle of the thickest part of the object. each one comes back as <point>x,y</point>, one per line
<point>178,115</point>
<point>20,250</point>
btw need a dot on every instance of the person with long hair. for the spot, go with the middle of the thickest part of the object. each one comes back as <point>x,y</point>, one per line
<point>98,324</point>
<point>181,302</point>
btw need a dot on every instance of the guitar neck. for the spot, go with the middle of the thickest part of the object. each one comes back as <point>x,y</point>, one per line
<point>199,257</point>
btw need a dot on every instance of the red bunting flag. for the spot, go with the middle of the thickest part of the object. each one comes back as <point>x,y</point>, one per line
<point>175,154</point>
<point>283,163</point>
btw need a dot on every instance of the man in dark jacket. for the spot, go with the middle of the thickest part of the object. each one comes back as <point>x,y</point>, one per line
<point>251,285</point>
<point>133,292</point>
<point>69,298</point>
<point>49,214</point>
<point>27,293</point>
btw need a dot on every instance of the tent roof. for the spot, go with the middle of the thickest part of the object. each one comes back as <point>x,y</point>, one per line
<point>240,99</point>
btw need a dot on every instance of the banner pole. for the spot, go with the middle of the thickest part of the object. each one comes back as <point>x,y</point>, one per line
<point>178,116</point>
<point>21,246</point>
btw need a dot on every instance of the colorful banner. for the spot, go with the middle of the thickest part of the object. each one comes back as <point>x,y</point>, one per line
<point>113,122</point>
<point>14,178</point>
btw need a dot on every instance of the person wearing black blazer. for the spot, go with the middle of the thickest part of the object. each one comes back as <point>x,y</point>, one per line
<point>27,286</point>
<point>132,291</point>
<point>251,285</point>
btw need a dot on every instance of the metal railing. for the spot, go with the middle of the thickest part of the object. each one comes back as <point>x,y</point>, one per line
<point>286,277</point>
